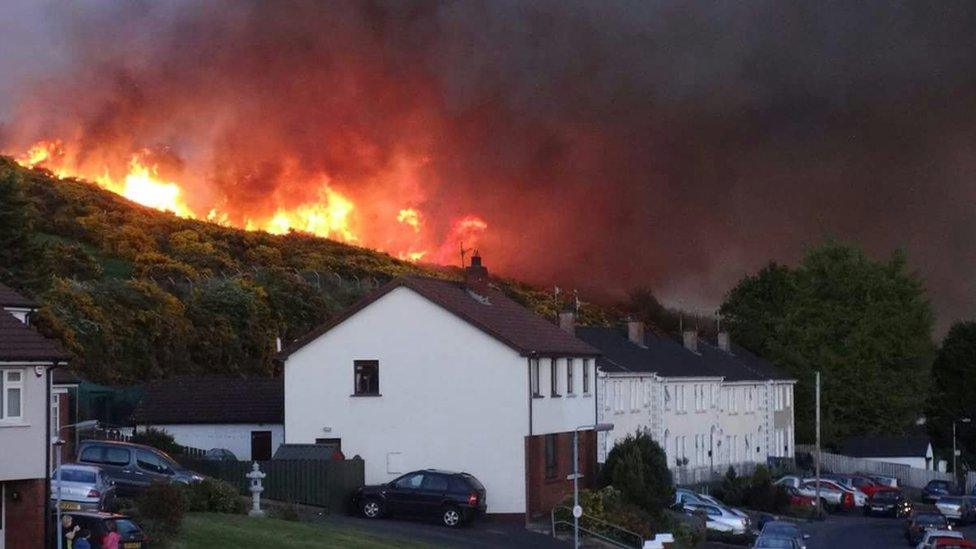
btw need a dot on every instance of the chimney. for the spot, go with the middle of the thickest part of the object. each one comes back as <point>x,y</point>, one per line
<point>723,342</point>
<point>635,331</point>
<point>691,340</point>
<point>567,321</point>
<point>476,276</point>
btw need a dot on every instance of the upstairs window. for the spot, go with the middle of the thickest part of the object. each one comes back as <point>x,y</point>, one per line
<point>367,377</point>
<point>553,377</point>
<point>11,395</point>
<point>586,376</point>
<point>534,376</point>
<point>570,387</point>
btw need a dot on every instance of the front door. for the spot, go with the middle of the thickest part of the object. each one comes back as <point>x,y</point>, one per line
<point>260,445</point>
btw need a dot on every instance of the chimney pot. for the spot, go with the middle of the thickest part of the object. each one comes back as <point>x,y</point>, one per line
<point>635,332</point>
<point>567,321</point>
<point>691,340</point>
<point>476,276</point>
<point>724,343</point>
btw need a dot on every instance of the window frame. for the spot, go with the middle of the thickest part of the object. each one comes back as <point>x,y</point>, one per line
<point>586,376</point>
<point>534,377</point>
<point>570,381</point>
<point>554,377</point>
<point>7,385</point>
<point>356,365</point>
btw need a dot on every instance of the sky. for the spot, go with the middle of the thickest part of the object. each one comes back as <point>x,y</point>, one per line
<point>608,145</point>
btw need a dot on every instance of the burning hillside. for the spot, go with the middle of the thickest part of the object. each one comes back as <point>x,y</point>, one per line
<point>161,181</point>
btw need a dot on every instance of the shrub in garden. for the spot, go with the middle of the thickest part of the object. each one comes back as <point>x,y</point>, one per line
<point>157,438</point>
<point>756,491</point>
<point>637,467</point>
<point>287,511</point>
<point>213,495</point>
<point>161,509</point>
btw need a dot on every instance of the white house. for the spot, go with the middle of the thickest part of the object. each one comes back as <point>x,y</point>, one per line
<point>709,404</point>
<point>243,415</point>
<point>26,361</point>
<point>429,373</point>
<point>914,451</point>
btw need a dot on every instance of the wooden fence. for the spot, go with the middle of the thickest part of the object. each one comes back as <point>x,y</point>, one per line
<point>327,484</point>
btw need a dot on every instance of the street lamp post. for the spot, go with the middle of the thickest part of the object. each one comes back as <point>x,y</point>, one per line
<point>955,472</point>
<point>577,510</point>
<point>59,442</point>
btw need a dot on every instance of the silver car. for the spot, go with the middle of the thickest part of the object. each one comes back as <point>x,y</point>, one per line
<point>957,508</point>
<point>719,519</point>
<point>83,488</point>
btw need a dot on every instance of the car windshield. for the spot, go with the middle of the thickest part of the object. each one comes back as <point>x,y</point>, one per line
<point>952,500</point>
<point>930,519</point>
<point>885,495</point>
<point>75,475</point>
<point>939,484</point>
<point>126,526</point>
<point>781,530</point>
<point>774,543</point>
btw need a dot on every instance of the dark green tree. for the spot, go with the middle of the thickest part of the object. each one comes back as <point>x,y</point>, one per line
<point>638,467</point>
<point>866,325</point>
<point>953,387</point>
<point>15,226</point>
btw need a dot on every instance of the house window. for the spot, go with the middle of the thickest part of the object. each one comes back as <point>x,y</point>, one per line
<point>550,456</point>
<point>534,376</point>
<point>11,393</point>
<point>586,376</point>
<point>553,377</point>
<point>570,366</point>
<point>367,377</point>
<point>789,395</point>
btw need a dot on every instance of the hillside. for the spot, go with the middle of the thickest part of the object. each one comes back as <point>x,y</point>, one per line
<point>137,294</point>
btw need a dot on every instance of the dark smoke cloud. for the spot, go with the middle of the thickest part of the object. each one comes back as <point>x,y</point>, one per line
<point>608,144</point>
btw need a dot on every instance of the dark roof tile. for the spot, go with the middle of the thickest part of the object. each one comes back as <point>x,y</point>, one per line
<point>188,400</point>
<point>10,298</point>
<point>19,341</point>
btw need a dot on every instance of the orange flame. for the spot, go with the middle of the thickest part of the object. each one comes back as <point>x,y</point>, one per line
<point>331,213</point>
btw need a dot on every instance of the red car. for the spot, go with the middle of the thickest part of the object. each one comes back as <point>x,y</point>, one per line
<point>952,543</point>
<point>798,499</point>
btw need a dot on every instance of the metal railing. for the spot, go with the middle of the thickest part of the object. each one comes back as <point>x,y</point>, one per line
<point>598,528</point>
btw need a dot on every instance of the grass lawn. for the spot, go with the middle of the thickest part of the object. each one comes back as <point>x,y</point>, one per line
<point>215,531</point>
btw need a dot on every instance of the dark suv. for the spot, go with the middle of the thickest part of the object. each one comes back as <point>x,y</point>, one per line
<point>133,467</point>
<point>453,498</point>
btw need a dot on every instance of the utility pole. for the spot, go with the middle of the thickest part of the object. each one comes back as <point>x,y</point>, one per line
<point>817,464</point>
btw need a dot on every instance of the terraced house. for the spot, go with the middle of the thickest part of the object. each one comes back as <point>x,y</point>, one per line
<point>710,404</point>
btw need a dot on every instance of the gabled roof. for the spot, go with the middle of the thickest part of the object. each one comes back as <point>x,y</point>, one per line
<point>186,400</point>
<point>20,342</point>
<point>498,316</point>
<point>10,298</point>
<point>660,354</point>
<point>885,446</point>
<point>739,364</point>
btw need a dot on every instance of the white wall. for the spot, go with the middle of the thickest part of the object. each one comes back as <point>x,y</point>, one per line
<point>23,443</point>
<point>569,410</point>
<point>627,401</point>
<point>234,437</point>
<point>689,421</point>
<point>453,397</point>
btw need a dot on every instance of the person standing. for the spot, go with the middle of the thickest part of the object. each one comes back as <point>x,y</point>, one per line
<point>111,540</point>
<point>69,530</point>
<point>81,539</point>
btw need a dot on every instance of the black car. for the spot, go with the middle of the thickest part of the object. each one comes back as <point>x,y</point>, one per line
<point>133,467</point>
<point>452,498</point>
<point>888,503</point>
<point>935,489</point>
<point>131,535</point>
<point>920,522</point>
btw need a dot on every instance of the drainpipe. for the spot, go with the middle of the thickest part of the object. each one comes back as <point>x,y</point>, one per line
<point>46,499</point>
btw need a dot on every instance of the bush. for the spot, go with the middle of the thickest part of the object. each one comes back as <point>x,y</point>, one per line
<point>213,495</point>
<point>608,505</point>
<point>157,438</point>
<point>161,510</point>
<point>286,511</point>
<point>638,468</point>
<point>756,491</point>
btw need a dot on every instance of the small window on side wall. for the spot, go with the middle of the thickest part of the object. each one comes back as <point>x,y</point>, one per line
<point>367,377</point>
<point>550,442</point>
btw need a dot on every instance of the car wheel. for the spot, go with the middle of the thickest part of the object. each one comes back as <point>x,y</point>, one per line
<point>372,509</point>
<point>451,517</point>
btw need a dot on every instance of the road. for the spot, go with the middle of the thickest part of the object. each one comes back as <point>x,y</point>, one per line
<point>858,532</point>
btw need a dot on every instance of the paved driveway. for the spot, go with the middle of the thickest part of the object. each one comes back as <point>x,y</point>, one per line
<point>485,533</point>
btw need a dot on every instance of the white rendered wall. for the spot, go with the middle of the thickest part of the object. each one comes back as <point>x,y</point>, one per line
<point>453,397</point>
<point>23,442</point>
<point>234,437</point>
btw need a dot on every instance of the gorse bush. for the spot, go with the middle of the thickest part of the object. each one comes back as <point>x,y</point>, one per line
<point>160,510</point>
<point>637,467</point>
<point>213,495</point>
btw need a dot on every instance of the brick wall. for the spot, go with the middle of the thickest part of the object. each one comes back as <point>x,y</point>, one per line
<point>544,493</point>
<point>24,520</point>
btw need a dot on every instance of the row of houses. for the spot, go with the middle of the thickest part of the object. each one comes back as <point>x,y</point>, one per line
<point>456,375</point>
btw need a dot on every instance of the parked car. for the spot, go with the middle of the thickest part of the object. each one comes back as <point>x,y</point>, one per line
<point>130,534</point>
<point>881,480</point>
<point>83,487</point>
<point>832,495</point>
<point>957,508</point>
<point>853,497</point>
<point>920,522</point>
<point>888,503</point>
<point>219,454</point>
<point>783,529</point>
<point>454,498</point>
<point>773,542</point>
<point>797,499</point>
<point>935,489</point>
<point>718,518</point>
<point>861,483</point>
<point>952,543</point>
<point>133,467</point>
<point>714,501</point>
<point>683,496</point>
<point>930,537</point>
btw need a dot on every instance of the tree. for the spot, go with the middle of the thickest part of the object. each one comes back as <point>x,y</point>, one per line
<point>865,324</point>
<point>638,467</point>
<point>14,224</point>
<point>953,386</point>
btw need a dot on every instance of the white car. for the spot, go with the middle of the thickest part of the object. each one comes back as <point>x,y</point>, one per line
<point>709,499</point>
<point>719,518</point>
<point>929,536</point>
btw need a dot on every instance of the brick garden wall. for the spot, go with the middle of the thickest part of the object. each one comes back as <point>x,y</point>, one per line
<point>544,493</point>
<point>24,520</point>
